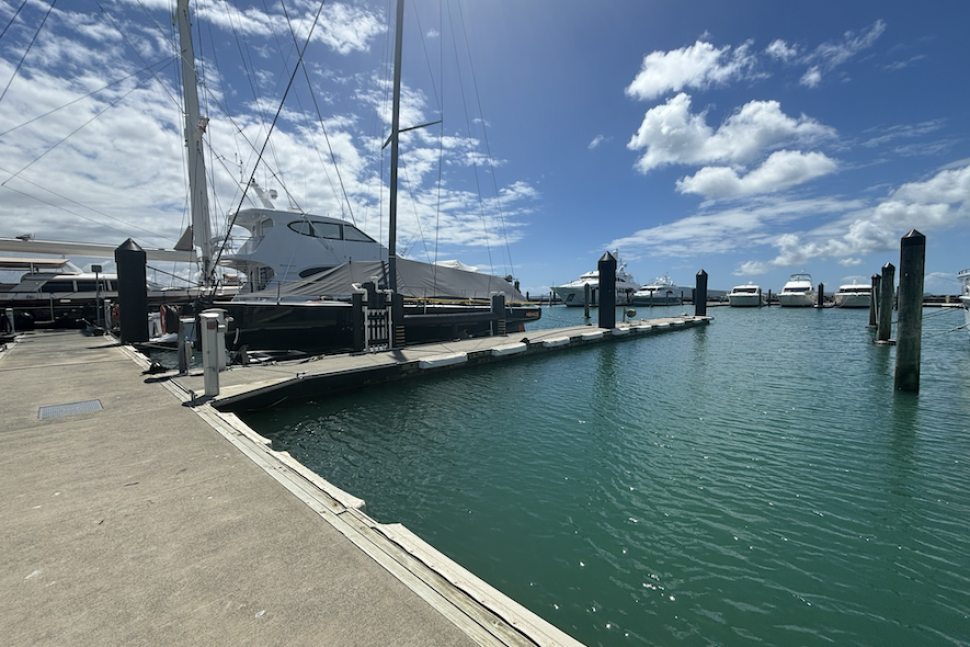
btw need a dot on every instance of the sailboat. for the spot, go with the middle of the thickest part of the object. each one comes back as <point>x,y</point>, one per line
<point>307,306</point>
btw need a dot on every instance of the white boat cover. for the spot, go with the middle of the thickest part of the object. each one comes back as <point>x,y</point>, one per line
<point>414,279</point>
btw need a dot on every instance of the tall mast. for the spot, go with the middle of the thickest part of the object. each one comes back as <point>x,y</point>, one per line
<point>395,136</point>
<point>195,126</point>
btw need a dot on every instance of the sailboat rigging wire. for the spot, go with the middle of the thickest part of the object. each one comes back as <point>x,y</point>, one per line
<point>323,128</point>
<point>27,51</point>
<point>74,213</point>
<point>166,61</point>
<point>73,132</point>
<point>488,151</point>
<point>12,18</point>
<point>481,206</point>
<point>272,126</point>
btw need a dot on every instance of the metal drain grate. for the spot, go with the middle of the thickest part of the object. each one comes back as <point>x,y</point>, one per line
<point>59,410</point>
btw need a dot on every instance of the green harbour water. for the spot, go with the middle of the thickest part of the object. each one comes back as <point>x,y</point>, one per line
<point>754,481</point>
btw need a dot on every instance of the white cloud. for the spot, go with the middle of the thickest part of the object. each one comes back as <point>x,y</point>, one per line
<point>671,134</point>
<point>696,66</point>
<point>727,230</point>
<point>812,77</point>
<point>782,170</point>
<point>930,206</point>
<point>828,56</point>
<point>599,139</point>
<point>780,50</point>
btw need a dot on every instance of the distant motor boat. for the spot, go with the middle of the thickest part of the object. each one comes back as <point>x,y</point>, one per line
<point>661,292</point>
<point>853,296</point>
<point>747,296</point>
<point>574,293</point>
<point>799,292</point>
<point>965,295</point>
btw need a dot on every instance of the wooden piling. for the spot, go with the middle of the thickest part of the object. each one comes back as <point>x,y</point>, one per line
<point>587,292</point>
<point>909,333</point>
<point>820,297</point>
<point>874,301</point>
<point>700,295</point>
<point>607,291</point>
<point>887,286</point>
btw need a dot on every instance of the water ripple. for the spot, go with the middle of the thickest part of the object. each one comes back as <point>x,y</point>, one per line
<point>754,482</point>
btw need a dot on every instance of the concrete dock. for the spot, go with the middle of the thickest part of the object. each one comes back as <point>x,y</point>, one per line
<point>136,512</point>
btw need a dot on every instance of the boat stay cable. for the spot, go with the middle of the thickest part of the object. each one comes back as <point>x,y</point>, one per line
<point>488,150</point>
<point>12,19</point>
<point>478,186</point>
<point>75,131</point>
<point>27,51</point>
<point>126,232</point>
<point>279,110</point>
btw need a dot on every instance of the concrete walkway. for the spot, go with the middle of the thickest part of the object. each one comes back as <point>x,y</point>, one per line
<point>148,522</point>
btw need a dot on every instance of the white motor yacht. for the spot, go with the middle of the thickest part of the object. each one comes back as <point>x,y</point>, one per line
<point>747,296</point>
<point>661,292</point>
<point>287,246</point>
<point>574,293</point>
<point>853,296</point>
<point>799,292</point>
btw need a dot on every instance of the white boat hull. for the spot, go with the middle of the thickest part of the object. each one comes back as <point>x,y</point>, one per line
<point>746,300</point>
<point>804,300</point>
<point>852,300</point>
<point>576,296</point>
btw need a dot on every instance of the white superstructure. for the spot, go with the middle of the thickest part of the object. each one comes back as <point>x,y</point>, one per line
<point>661,292</point>
<point>853,296</point>
<point>799,292</point>
<point>287,246</point>
<point>747,296</point>
<point>574,293</point>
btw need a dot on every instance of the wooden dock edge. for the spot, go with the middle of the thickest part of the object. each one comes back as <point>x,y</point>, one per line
<point>482,612</point>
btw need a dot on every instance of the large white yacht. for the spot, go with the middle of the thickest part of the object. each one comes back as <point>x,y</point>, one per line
<point>799,292</point>
<point>747,296</point>
<point>661,292</point>
<point>286,246</point>
<point>853,296</point>
<point>574,293</point>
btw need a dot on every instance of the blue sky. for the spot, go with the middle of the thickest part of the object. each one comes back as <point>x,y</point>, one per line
<point>750,139</point>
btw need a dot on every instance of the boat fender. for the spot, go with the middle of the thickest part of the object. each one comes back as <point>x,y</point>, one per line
<point>169,316</point>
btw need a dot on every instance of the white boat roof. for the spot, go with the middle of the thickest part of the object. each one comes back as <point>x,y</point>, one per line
<point>24,263</point>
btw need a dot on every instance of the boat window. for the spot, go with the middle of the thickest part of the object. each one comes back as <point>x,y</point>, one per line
<point>316,229</point>
<point>326,230</point>
<point>58,286</point>
<point>352,233</point>
<point>313,270</point>
<point>302,227</point>
<point>87,286</point>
